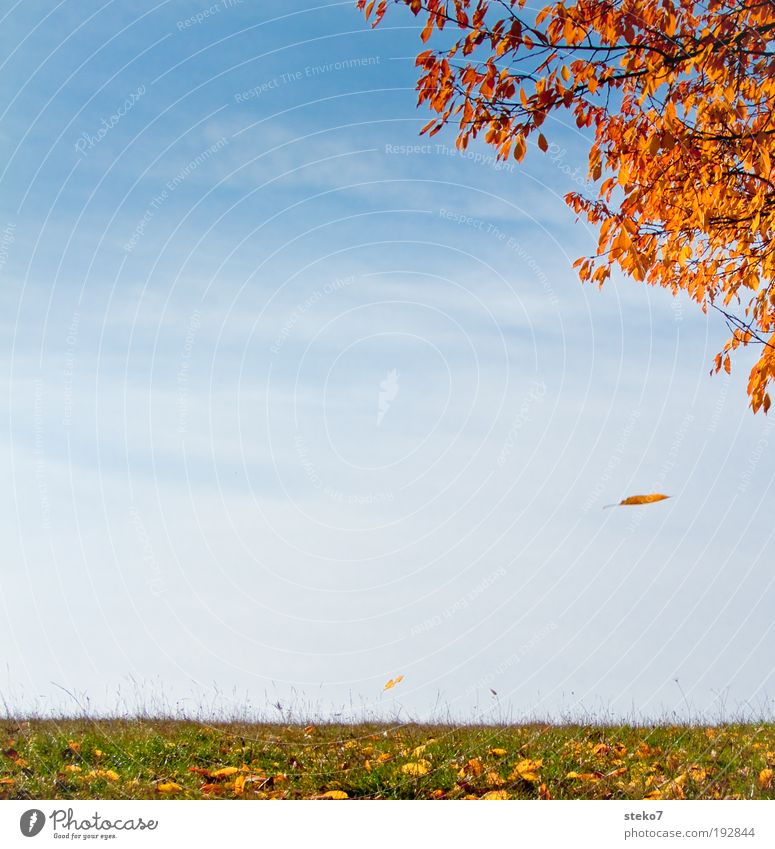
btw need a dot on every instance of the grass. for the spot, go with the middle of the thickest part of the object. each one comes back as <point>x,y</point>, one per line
<point>153,759</point>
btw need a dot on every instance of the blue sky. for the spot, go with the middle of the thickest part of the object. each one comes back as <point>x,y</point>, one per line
<point>299,401</point>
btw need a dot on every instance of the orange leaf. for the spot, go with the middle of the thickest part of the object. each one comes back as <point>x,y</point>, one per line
<point>639,499</point>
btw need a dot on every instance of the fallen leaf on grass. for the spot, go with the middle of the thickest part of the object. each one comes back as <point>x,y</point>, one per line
<point>765,779</point>
<point>473,767</point>
<point>7,781</point>
<point>110,774</point>
<point>638,499</point>
<point>527,770</point>
<point>496,794</point>
<point>333,794</point>
<point>224,772</point>
<point>585,776</point>
<point>168,787</point>
<point>416,768</point>
<point>498,753</point>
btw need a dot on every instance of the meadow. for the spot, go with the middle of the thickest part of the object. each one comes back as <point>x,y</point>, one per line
<point>177,759</point>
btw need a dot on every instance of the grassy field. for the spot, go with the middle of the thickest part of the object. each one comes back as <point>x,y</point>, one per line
<point>147,759</point>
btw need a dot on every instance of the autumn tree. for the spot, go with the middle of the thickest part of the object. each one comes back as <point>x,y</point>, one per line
<point>678,99</point>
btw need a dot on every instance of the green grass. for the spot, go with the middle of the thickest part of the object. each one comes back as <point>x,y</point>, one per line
<point>146,759</point>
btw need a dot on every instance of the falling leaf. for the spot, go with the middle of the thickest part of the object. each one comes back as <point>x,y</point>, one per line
<point>639,499</point>
<point>416,768</point>
<point>168,787</point>
<point>496,794</point>
<point>334,794</point>
<point>527,770</point>
<point>765,779</point>
<point>392,682</point>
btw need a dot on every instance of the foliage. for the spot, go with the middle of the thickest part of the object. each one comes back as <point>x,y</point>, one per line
<point>679,98</point>
<point>146,759</point>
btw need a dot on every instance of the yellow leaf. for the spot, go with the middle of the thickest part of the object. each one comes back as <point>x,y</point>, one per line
<point>392,682</point>
<point>498,753</point>
<point>239,785</point>
<point>224,772</point>
<point>416,768</point>
<point>168,787</point>
<point>527,770</point>
<point>496,794</point>
<point>494,780</point>
<point>765,779</point>
<point>334,794</point>
<point>639,499</point>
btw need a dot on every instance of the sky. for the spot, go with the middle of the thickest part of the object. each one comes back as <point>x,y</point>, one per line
<point>299,401</point>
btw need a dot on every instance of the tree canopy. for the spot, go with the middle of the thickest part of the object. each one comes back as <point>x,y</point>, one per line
<point>679,99</point>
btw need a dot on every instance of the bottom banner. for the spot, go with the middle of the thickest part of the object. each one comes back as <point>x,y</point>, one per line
<point>378,823</point>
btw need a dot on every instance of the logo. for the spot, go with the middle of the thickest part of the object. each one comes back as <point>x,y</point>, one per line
<point>32,822</point>
<point>388,390</point>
